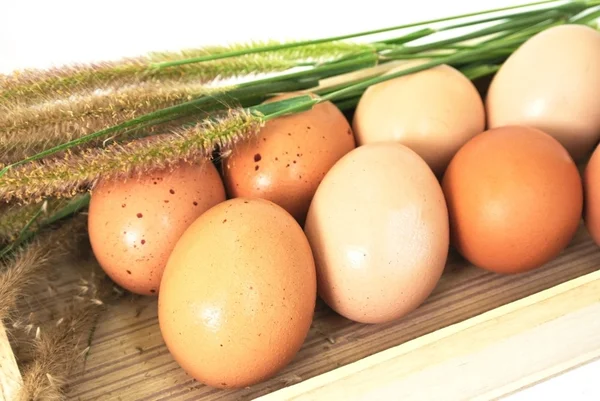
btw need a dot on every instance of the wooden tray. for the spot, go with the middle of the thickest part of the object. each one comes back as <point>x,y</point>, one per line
<point>129,361</point>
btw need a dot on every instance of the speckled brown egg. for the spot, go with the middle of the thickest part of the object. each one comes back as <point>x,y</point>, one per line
<point>515,199</point>
<point>134,224</point>
<point>238,294</point>
<point>552,83</point>
<point>378,227</point>
<point>591,181</point>
<point>287,160</point>
<point>434,112</point>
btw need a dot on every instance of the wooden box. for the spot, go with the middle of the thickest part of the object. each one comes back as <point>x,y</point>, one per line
<point>480,336</point>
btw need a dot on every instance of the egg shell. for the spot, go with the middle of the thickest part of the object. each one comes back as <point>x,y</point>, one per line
<point>378,227</point>
<point>238,294</point>
<point>434,112</point>
<point>552,83</point>
<point>288,159</point>
<point>515,199</point>
<point>134,224</point>
<point>591,181</point>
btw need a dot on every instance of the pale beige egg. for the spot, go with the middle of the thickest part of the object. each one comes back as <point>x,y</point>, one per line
<point>434,112</point>
<point>378,228</point>
<point>552,83</point>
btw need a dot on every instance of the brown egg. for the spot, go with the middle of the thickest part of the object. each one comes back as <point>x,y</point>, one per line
<point>288,159</point>
<point>591,181</point>
<point>552,83</point>
<point>378,227</point>
<point>433,112</point>
<point>515,199</point>
<point>134,224</point>
<point>238,294</point>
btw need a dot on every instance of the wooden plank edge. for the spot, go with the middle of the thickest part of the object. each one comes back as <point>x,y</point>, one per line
<point>537,302</point>
<point>10,376</point>
<point>544,375</point>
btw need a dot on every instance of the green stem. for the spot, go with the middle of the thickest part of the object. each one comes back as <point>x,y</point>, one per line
<point>527,31</point>
<point>502,27</point>
<point>454,58</point>
<point>409,37</point>
<point>472,72</point>
<point>335,38</point>
<point>301,103</point>
<point>479,71</point>
<point>365,60</point>
<point>297,104</point>
<point>564,9</point>
<point>573,6</point>
<point>586,18</point>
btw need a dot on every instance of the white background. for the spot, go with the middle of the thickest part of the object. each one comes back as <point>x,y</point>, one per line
<point>45,32</point>
<point>54,32</point>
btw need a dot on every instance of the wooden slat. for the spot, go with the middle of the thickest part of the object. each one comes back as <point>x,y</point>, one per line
<point>10,377</point>
<point>482,358</point>
<point>129,361</point>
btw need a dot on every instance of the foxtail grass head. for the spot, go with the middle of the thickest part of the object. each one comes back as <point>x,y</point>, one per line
<point>72,173</point>
<point>29,129</point>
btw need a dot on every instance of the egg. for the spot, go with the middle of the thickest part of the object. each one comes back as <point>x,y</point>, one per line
<point>434,112</point>
<point>591,181</point>
<point>238,294</point>
<point>552,83</point>
<point>134,224</point>
<point>288,159</point>
<point>378,228</point>
<point>515,199</point>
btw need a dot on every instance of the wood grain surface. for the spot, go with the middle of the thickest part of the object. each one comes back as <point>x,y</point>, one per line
<point>482,358</point>
<point>129,361</point>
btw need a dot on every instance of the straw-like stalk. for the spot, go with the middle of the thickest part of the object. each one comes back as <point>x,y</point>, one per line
<point>73,173</point>
<point>29,265</point>
<point>60,345</point>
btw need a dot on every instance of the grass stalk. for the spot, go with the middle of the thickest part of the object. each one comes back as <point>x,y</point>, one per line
<point>26,130</point>
<point>37,85</point>
<point>263,49</point>
<point>202,103</point>
<point>66,176</point>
